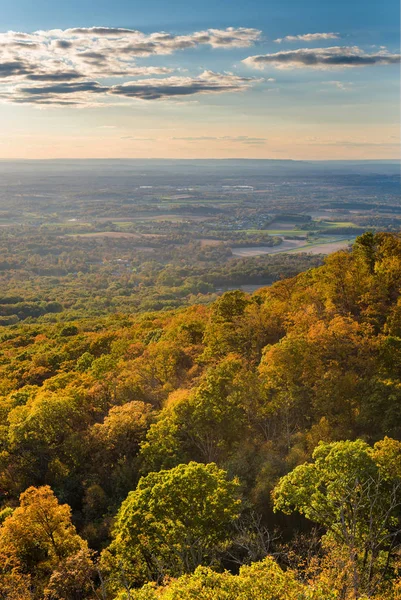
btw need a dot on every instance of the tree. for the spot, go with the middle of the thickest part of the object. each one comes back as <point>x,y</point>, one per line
<point>74,578</point>
<point>230,305</point>
<point>208,424</point>
<point>366,246</point>
<point>263,580</point>
<point>14,584</point>
<point>224,333</point>
<point>39,535</point>
<point>329,370</point>
<point>354,492</point>
<point>114,445</point>
<point>45,437</point>
<point>174,521</point>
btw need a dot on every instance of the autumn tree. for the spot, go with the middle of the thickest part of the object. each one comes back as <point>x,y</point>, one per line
<point>39,535</point>
<point>114,444</point>
<point>14,583</point>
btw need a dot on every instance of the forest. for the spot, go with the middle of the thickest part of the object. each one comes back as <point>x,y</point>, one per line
<point>48,277</point>
<point>247,448</point>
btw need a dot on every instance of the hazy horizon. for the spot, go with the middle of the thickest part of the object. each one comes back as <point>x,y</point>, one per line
<point>209,159</point>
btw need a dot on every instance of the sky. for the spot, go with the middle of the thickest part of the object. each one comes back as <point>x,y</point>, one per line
<point>284,79</point>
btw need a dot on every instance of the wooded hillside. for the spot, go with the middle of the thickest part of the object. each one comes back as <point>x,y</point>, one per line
<point>247,449</point>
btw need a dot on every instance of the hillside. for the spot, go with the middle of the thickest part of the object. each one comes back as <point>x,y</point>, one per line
<point>115,429</point>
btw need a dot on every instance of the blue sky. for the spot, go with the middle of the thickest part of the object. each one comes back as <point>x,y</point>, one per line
<point>276,17</point>
<point>278,79</point>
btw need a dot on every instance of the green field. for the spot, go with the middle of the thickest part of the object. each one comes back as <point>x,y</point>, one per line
<point>336,224</point>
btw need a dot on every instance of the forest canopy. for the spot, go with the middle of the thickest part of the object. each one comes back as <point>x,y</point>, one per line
<point>246,448</point>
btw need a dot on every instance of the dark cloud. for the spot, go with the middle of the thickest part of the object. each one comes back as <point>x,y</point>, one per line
<point>96,56</point>
<point>140,49</point>
<point>13,68</point>
<point>65,88</point>
<point>145,89</point>
<point>171,87</point>
<point>56,76</point>
<point>337,56</point>
<point>102,31</point>
<point>32,72</point>
<point>62,44</point>
<point>43,101</point>
<point>155,92</point>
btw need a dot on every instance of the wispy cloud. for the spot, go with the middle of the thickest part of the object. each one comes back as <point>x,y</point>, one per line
<point>340,85</point>
<point>322,58</point>
<point>308,37</point>
<point>239,139</point>
<point>350,143</point>
<point>84,92</point>
<point>138,139</point>
<point>223,139</point>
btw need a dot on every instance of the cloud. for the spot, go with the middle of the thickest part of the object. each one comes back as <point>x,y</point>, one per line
<point>13,68</point>
<point>239,139</point>
<point>158,42</point>
<point>236,139</point>
<point>58,94</point>
<point>84,92</point>
<point>55,76</point>
<point>170,87</point>
<point>350,143</point>
<point>308,37</point>
<point>340,85</point>
<point>138,139</point>
<point>65,88</point>
<point>95,31</point>
<point>322,58</point>
<point>86,56</point>
<point>113,49</point>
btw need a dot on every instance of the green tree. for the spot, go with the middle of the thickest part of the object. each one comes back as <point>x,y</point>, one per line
<point>354,492</point>
<point>174,521</point>
<point>208,424</point>
<point>263,580</point>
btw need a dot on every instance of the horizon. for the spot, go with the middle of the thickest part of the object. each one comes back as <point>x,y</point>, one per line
<point>210,159</point>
